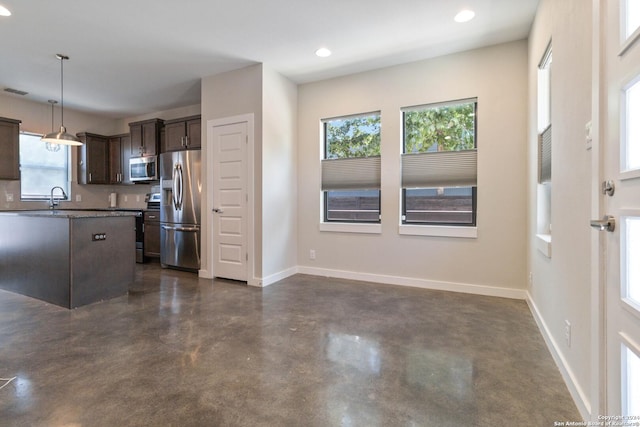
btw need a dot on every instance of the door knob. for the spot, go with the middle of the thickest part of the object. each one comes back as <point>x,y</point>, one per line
<point>217,210</point>
<point>607,223</point>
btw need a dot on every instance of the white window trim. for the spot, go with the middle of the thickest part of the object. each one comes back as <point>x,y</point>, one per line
<point>543,244</point>
<point>343,227</point>
<point>438,231</point>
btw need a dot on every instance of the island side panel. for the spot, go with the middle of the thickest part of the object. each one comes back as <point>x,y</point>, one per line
<point>101,268</point>
<point>34,257</point>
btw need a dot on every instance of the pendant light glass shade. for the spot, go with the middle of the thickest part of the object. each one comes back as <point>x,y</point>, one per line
<point>61,137</point>
<point>52,147</point>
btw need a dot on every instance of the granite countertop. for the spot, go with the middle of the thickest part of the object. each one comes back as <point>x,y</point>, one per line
<point>69,213</point>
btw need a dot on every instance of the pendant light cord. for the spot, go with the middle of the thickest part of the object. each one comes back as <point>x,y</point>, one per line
<point>62,57</point>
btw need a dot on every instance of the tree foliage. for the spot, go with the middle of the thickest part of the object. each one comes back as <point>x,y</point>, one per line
<point>444,128</point>
<point>353,137</point>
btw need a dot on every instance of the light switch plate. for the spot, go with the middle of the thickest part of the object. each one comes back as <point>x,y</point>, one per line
<point>78,197</point>
<point>9,197</point>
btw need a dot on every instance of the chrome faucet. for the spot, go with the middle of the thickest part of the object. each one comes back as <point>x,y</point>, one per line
<point>53,202</point>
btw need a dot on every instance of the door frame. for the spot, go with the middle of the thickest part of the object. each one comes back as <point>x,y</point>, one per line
<point>600,87</point>
<point>249,119</point>
<point>598,349</point>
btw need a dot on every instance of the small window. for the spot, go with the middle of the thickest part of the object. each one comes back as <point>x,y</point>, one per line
<point>631,129</point>
<point>630,382</point>
<point>439,164</point>
<point>351,169</point>
<point>544,188</point>
<point>632,17</point>
<point>42,167</point>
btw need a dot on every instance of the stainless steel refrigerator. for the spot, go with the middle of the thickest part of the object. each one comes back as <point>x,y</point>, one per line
<point>180,185</point>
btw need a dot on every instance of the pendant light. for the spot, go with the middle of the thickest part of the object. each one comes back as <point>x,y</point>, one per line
<point>61,137</point>
<point>51,146</point>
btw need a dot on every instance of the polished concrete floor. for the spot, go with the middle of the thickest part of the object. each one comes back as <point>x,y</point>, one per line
<point>307,351</point>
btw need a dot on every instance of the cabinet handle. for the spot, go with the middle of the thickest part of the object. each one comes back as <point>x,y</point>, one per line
<point>89,176</point>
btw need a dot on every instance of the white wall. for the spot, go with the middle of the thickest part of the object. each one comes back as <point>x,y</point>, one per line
<point>225,95</point>
<point>561,284</point>
<point>492,263</point>
<point>279,177</point>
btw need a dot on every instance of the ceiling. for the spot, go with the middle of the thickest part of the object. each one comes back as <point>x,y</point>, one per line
<point>135,57</point>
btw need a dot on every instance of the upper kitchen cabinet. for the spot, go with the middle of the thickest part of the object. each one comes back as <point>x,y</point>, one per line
<point>145,137</point>
<point>182,134</point>
<point>119,155</point>
<point>93,159</point>
<point>9,148</point>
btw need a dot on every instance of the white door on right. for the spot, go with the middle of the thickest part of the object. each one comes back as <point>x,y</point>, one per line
<point>230,200</point>
<point>620,119</point>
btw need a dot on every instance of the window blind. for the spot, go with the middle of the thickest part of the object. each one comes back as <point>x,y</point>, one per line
<point>544,156</point>
<point>440,169</point>
<point>354,173</point>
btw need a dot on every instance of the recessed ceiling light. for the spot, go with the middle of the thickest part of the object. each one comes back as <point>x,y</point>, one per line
<point>465,15</point>
<point>4,11</point>
<point>323,52</point>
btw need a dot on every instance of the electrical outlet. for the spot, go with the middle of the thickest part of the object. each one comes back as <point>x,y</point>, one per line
<point>125,198</point>
<point>9,197</point>
<point>312,254</point>
<point>137,198</point>
<point>530,278</point>
<point>567,333</point>
<point>78,198</point>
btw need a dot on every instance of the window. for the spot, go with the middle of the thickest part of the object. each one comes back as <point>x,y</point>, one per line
<point>631,129</point>
<point>632,17</point>
<point>351,169</point>
<point>42,168</point>
<point>630,382</point>
<point>543,226</point>
<point>439,164</point>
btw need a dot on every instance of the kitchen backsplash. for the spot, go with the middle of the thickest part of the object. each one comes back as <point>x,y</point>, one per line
<point>82,196</point>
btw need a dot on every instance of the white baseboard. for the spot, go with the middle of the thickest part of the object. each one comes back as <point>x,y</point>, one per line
<point>416,283</point>
<point>205,274</point>
<point>579,397</point>
<point>273,278</point>
<point>385,279</point>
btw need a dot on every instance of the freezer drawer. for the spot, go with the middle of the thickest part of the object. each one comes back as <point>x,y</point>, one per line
<point>180,246</point>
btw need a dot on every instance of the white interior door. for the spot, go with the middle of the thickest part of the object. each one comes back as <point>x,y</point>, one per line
<point>620,118</point>
<point>230,200</point>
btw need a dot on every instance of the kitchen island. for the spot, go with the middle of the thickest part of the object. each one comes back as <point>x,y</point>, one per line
<point>66,257</point>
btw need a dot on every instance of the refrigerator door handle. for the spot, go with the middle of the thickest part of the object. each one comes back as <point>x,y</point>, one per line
<point>176,193</point>
<point>178,228</point>
<point>181,186</point>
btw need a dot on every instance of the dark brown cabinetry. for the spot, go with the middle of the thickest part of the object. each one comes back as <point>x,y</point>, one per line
<point>119,155</point>
<point>9,148</point>
<point>152,234</point>
<point>182,134</point>
<point>145,137</point>
<point>93,159</point>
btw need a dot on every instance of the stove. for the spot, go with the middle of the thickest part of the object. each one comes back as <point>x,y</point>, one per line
<point>153,201</point>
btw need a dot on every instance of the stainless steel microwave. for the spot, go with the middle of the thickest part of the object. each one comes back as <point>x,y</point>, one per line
<point>143,168</point>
